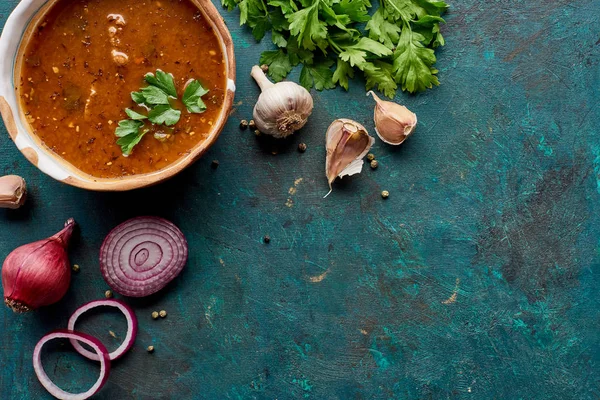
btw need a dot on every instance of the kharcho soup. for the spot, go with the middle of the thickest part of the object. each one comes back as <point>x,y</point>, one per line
<point>87,61</point>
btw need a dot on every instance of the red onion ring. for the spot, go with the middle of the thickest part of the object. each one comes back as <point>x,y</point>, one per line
<point>142,255</point>
<point>129,337</point>
<point>91,341</point>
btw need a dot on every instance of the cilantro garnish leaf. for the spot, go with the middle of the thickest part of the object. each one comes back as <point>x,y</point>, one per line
<point>129,134</point>
<point>128,142</point>
<point>135,115</point>
<point>127,127</point>
<point>155,98</point>
<point>164,114</point>
<point>192,97</point>
<point>163,81</point>
<point>278,62</point>
<point>138,97</point>
<point>154,95</point>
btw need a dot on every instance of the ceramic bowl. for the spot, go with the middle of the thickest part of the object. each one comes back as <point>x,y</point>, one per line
<point>12,42</point>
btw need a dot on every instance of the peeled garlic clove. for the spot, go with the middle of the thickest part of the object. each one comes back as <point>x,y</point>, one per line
<point>282,108</point>
<point>393,123</point>
<point>13,191</point>
<point>347,143</point>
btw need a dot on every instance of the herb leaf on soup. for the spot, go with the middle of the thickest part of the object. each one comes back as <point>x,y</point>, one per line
<point>163,81</point>
<point>134,115</point>
<point>138,97</point>
<point>127,127</point>
<point>164,114</point>
<point>128,142</point>
<point>192,97</point>
<point>156,98</point>
<point>154,95</point>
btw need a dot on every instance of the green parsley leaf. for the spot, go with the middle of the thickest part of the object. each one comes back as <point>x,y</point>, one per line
<point>395,48</point>
<point>318,75</point>
<point>253,13</point>
<point>298,55</point>
<point>380,74</point>
<point>429,27</point>
<point>192,97</point>
<point>356,10</point>
<point>413,63</point>
<point>381,29</point>
<point>163,81</point>
<point>356,53</point>
<point>306,25</point>
<point>342,73</point>
<point>164,114</point>
<point>278,62</point>
<point>229,4</point>
<point>134,115</point>
<point>127,127</point>
<point>278,39</point>
<point>128,142</point>
<point>154,95</point>
<point>286,6</point>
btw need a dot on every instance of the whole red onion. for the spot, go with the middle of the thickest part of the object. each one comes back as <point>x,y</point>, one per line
<point>38,274</point>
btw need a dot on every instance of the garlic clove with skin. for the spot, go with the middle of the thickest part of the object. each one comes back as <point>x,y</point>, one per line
<point>347,143</point>
<point>13,191</point>
<point>282,108</point>
<point>393,123</point>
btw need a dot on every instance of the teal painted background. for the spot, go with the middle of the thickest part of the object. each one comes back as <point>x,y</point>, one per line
<point>477,279</point>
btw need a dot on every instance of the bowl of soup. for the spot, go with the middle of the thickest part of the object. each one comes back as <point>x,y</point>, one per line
<point>114,95</point>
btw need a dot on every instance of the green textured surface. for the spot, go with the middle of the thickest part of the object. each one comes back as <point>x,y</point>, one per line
<point>494,199</point>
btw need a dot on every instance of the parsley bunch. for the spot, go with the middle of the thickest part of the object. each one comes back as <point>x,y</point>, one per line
<point>156,99</point>
<point>394,50</point>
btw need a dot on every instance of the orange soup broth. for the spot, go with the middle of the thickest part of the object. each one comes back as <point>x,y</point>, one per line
<point>74,92</point>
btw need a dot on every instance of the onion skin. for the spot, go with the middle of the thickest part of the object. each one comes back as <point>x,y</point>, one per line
<point>38,274</point>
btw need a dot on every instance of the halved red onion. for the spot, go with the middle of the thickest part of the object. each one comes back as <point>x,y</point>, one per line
<point>91,341</point>
<point>131,327</point>
<point>142,255</point>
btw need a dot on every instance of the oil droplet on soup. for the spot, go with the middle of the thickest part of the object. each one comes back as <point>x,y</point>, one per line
<point>84,59</point>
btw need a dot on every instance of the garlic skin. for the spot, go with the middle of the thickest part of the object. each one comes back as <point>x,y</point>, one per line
<point>347,143</point>
<point>39,273</point>
<point>393,123</point>
<point>13,191</point>
<point>282,108</point>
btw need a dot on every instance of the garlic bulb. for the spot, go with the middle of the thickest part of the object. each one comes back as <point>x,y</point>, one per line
<point>347,142</point>
<point>282,108</point>
<point>393,123</point>
<point>13,191</point>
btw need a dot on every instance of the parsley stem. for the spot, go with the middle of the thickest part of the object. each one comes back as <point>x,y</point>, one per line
<point>336,48</point>
<point>265,7</point>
